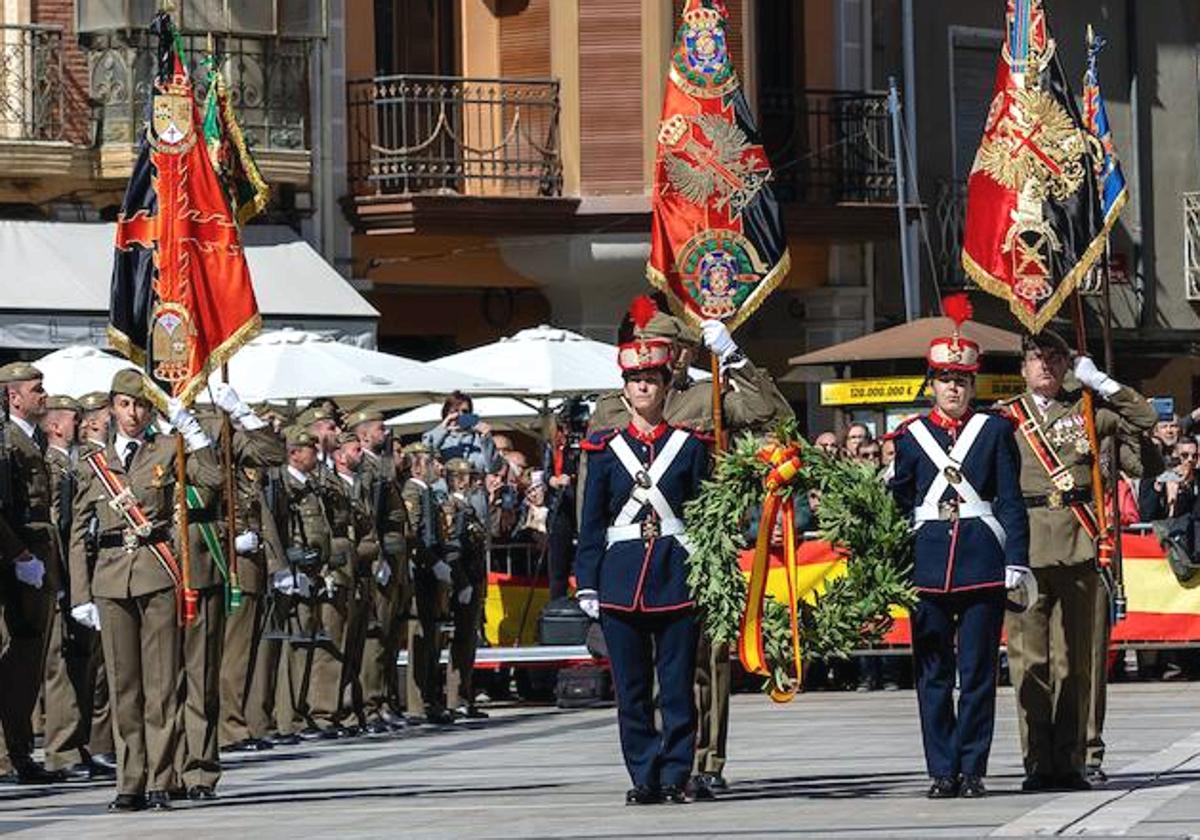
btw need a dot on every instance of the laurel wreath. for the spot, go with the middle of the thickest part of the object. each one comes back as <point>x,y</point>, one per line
<point>857,515</point>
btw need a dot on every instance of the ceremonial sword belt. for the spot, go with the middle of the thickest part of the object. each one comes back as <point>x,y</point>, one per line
<point>1058,499</point>
<point>130,539</point>
<point>967,503</point>
<point>661,520</point>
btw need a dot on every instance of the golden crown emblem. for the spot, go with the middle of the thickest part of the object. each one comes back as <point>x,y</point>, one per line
<point>702,18</point>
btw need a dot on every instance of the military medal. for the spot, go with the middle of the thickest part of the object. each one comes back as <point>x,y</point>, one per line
<point>1082,445</point>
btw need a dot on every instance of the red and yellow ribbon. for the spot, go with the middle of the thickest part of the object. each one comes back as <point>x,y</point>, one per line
<point>785,470</point>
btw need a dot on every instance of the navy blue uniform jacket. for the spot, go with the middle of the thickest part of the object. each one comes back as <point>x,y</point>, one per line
<point>954,556</point>
<point>635,576</point>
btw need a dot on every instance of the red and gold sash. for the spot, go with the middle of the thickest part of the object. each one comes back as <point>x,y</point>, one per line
<point>122,500</point>
<point>1059,473</point>
<point>785,468</point>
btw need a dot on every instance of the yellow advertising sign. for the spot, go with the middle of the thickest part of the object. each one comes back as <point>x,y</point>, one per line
<point>899,390</point>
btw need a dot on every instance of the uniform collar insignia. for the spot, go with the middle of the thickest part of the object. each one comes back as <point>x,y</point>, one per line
<point>647,437</point>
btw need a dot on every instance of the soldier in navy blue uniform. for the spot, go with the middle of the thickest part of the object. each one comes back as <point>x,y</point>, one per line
<point>958,476</point>
<point>631,572</point>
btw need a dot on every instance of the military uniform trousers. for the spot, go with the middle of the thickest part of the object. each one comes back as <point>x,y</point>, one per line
<point>196,757</point>
<point>424,675</point>
<point>460,677</point>
<point>1050,652</point>
<point>336,663</point>
<point>244,677</point>
<point>379,676</point>
<point>957,632</point>
<point>639,645</point>
<point>141,641</point>
<point>1102,636</point>
<point>100,741</point>
<point>713,683</point>
<point>25,614</point>
<point>69,692</point>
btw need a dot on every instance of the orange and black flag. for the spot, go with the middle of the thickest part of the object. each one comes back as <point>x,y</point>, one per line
<point>717,242</point>
<point>1034,223</point>
<point>181,301</point>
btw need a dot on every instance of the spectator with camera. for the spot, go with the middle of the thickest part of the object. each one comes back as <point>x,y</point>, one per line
<point>1174,492</point>
<point>462,434</point>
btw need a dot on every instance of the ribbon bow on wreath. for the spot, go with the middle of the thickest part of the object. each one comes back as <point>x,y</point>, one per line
<point>780,485</point>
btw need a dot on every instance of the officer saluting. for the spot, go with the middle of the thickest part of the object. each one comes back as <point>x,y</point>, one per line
<point>631,571</point>
<point>958,475</point>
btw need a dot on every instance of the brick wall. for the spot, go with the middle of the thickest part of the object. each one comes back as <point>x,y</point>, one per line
<point>77,115</point>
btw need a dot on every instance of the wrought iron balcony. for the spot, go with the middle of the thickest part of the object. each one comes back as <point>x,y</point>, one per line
<point>267,80</point>
<point>829,147</point>
<point>1191,245</point>
<point>31,83</point>
<point>451,135</point>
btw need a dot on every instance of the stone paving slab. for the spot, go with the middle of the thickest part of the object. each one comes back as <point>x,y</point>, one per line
<point>828,765</point>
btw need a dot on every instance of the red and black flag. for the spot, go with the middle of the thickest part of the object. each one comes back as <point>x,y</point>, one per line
<point>1034,223</point>
<point>717,243</point>
<point>181,300</point>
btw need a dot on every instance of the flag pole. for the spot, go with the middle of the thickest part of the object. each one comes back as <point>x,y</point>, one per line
<point>185,542</point>
<point>1089,419</point>
<point>718,424</point>
<point>1118,556</point>
<point>235,585</point>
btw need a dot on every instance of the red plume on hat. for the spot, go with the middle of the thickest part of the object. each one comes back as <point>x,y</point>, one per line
<point>954,352</point>
<point>642,310</point>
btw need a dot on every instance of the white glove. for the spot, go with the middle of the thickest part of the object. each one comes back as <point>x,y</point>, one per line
<point>441,571</point>
<point>1020,577</point>
<point>187,425</point>
<point>1092,377</point>
<point>589,602</point>
<point>383,573</point>
<point>87,614</point>
<point>464,594</point>
<point>228,401</point>
<point>718,339</point>
<point>287,583</point>
<point>246,542</point>
<point>30,571</point>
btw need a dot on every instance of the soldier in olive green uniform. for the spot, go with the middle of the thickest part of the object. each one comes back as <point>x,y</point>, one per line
<point>750,401</point>
<point>432,579</point>
<point>307,541</point>
<point>29,565</point>
<point>1050,647</point>
<point>133,591</point>
<point>466,536</point>
<point>337,693</point>
<point>247,666</point>
<point>93,428</point>
<point>72,655</point>
<point>390,585</point>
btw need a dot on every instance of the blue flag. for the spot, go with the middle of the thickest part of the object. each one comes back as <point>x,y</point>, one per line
<point>1110,180</point>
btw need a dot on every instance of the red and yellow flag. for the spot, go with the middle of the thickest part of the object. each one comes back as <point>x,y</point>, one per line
<point>182,301</point>
<point>717,243</point>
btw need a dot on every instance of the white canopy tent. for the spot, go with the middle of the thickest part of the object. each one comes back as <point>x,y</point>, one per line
<point>78,370</point>
<point>57,278</point>
<point>546,362</point>
<point>283,365</point>
<point>499,412</point>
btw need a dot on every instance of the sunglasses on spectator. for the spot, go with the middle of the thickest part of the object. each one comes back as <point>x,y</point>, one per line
<point>1188,456</point>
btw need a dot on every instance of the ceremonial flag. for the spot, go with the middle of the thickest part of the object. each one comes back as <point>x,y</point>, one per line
<point>181,300</point>
<point>717,243</point>
<point>1110,180</point>
<point>248,193</point>
<point>1034,225</point>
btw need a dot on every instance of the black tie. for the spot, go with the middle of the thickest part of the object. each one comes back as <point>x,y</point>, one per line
<point>131,449</point>
<point>39,438</point>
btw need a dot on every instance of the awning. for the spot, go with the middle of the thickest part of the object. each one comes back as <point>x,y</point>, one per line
<point>911,341</point>
<point>57,274</point>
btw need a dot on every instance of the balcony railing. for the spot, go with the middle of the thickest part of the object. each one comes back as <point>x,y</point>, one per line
<point>31,83</point>
<point>829,147</point>
<point>1191,245</point>
<point>267,80</point>
<point>452,135</point>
